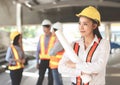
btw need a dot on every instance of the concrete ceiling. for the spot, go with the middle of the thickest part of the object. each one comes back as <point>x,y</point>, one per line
<point>34,11</point>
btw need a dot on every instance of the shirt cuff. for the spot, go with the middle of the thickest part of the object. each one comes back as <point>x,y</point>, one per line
<point>78,72</point>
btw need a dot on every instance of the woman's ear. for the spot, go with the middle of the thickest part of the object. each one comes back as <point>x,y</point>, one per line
<point>95,26</point>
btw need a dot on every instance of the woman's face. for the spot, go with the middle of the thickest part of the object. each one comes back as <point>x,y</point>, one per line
<point>20,39</point>
<point>86,26</point>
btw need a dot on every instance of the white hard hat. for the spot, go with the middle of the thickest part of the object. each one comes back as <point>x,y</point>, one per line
<point>46,22</point>
<point>58,26</point>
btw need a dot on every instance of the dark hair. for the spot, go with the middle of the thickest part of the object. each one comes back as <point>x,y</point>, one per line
<point>48,26</point>
<point>15,41</point>
<point>96,30</point>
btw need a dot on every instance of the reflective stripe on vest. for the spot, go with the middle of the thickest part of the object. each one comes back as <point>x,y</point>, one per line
<point>88,59</point>
<point>54,60</point>
<point>16,57</point>
<point>44,52</point>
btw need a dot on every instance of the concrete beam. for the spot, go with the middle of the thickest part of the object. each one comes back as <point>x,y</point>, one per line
<point>75,3</point>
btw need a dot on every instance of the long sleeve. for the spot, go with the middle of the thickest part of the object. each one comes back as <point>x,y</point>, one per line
<point>56,48</point>
<point>37,52</point>
<point>100,59</point>
<point>9,57</point>
<point>63,69</point>
<point>93,72</point>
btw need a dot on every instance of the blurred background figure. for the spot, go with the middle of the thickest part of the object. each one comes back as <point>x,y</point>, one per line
<point>56,54</point>
<point>16,58</point>
<point>45,43</point>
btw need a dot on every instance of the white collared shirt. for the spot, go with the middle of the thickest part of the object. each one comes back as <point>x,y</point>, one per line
<point>97,64</point>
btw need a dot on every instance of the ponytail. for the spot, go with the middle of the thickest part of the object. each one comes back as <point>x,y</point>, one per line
<point>97,32</point>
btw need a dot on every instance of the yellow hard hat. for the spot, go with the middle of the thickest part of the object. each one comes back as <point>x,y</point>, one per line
<point>90,12</point>
<point>14,34</point>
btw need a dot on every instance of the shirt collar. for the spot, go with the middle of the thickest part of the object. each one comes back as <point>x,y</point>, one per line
<point>94,40</point>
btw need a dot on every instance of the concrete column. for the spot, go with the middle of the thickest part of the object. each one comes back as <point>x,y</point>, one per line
<point>19,17</point>
<point>108,31</point>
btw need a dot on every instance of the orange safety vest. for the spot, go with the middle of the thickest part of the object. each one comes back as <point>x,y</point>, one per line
<point>43,55</point>
<point>16,57</point>
<point>88,59</point>
<point>54,60</point>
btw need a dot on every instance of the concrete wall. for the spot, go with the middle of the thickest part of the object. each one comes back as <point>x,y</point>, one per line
<point>7,12</point>
<point>4,39</point>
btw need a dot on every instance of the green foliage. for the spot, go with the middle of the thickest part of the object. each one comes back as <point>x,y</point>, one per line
<point>8,28</point>
<point>28,31</point>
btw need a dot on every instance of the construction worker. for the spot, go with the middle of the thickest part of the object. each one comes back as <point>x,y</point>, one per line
<point>92,50</point>
<point>16,58</point>
<point>45,43</point>
<point>56,54</point>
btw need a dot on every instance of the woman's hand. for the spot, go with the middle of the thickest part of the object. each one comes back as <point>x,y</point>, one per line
<point>18,60</point>
<point>70,64</point>
<point>22,61</point>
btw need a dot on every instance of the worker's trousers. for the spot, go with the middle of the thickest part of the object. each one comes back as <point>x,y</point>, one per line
<point>44,64</point>
<point>16,76</point>
<point>57,77</point>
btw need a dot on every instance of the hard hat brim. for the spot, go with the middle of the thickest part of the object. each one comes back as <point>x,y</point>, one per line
<point>79,15</point>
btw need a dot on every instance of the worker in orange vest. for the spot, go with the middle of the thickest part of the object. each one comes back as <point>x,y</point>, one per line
<point>93,51</point>
<point>16,58</point>
<point>56,54</point>
<point>45,43</point>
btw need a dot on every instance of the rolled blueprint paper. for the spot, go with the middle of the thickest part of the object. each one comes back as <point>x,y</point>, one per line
<point>71,54</point>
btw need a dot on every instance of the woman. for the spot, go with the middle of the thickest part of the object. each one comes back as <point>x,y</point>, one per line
<point>92,50</point>
<point>16,58</point>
